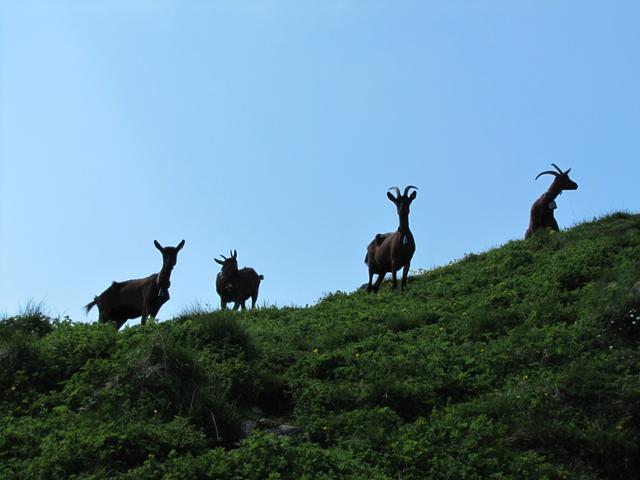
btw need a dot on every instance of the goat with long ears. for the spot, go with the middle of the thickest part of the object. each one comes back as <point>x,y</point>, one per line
<point>389,252</point>
<point>141,297</point>
<point>235,285</point>
<point>542,209</point>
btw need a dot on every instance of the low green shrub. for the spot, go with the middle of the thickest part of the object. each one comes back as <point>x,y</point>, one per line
<point>519,362</point>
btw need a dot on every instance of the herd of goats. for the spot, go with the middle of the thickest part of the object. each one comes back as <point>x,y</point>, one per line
<point>387,252</point>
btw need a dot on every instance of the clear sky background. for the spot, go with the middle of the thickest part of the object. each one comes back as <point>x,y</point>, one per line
<point>275,127</point>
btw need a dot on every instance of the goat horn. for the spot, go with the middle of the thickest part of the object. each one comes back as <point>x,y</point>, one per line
<point>549,172</point>
<point>406,190</point>
<point>397,190</point>
<point>557,168</point>
<point>223,257</point>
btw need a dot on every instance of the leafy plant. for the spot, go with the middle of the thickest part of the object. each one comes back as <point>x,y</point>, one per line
<point>519,362</point>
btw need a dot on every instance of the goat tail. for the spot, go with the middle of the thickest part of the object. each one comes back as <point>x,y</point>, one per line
<point>90,305</point>
<point>261,277</point>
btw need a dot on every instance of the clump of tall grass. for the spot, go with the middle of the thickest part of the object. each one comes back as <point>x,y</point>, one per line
<point>223,327</point>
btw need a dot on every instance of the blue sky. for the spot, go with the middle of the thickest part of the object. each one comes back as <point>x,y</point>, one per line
<point>276,127</point>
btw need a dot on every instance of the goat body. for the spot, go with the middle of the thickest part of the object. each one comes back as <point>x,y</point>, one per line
<point>541,215</point>
<point>237,285</point>
<point>122,301</point>
<point>141,297</point>
<point>389,252</point>
<point>239,288</point>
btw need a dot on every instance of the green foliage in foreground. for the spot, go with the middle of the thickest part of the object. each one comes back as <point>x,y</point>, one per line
<point>522,362</point>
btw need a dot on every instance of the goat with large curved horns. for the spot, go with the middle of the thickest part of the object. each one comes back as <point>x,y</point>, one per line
<point>141,297</point>
<point>389,252</point>
<point>235,285</point>
<point>542,209</point>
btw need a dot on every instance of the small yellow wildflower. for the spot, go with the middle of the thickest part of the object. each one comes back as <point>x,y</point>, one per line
<point>315,350</point>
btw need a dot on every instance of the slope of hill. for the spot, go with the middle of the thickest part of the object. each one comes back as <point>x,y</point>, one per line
<point>521,362</point>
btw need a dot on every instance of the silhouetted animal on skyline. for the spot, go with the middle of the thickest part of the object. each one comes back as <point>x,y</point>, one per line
<point>389,252</point>
<point>141,297</point>
<point>235,285</point>
<point>542,209</point>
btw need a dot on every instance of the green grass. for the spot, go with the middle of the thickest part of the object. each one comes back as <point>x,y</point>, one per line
<point>519,362</point>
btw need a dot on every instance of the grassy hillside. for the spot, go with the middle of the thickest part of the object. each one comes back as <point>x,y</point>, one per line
<point>521,362</point>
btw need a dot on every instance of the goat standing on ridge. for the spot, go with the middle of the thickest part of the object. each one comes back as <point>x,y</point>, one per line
<point>235,285</point>
<point>389,252</point>
<point>542,209</point>
<point>141,297</point>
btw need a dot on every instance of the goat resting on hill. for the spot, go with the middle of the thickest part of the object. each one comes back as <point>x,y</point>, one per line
<point>389,252</point>
<point>141,297</point>
<point>235,285</point>
<point>542,209</point>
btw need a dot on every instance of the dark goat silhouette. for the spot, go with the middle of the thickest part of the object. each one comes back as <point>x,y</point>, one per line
<point>141,297</point>
<point>235,285</point>
<point>389,252</point>
<point>542,209</point>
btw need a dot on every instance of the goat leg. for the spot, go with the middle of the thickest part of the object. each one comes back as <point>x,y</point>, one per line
<point>405,273</point>
<point>394,277</point>
<point>369,286</point>
<point>376,286</point>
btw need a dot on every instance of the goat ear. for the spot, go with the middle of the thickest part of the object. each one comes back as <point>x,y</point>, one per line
<point>235,254</point>
<point>412,197</point>
<point>391,197</point>
<point>219,262</point>
<point>158,246</point>
<point>567,172</point>
<point>180,245</point>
